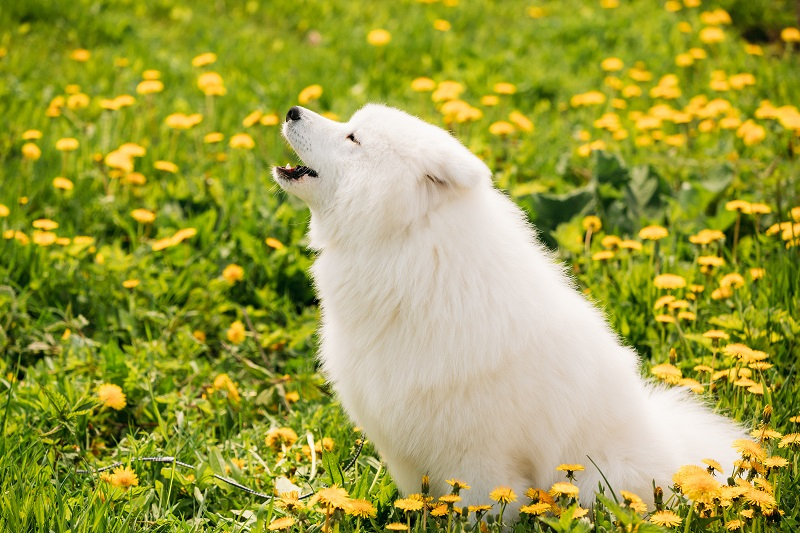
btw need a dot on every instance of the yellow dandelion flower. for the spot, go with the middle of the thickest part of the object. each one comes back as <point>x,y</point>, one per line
<point>457,484</point>
<point>707,236</point>
<point>713,466</point>
<point>603,255</point>
<point>505,88</point>
<point>361,509</point>
<point>242,141</point>
<point>732,280</point>
<point>423,84</point>
<point>4,211</point>
<point>665,518</point>
<point>44,238</point>
<point>143,216</point>
<point>124,477</point>
<point>45,224</point>
<point>252,118</point>
<point>765,501</point>
<point>135,178</point>
<point>790,35</point>
<point>233,273</point>
<point>166,166</point>
<point>721,293</point>
<point>450,499</point>
<point>612,64</point>
<point>397,526</point>
<point>634,501</point>
<point>181,121</point>
<point>591,223</point>
<point>280,437</point>
<point>131,283</point>
<point>521,121</point>
<point>441,25</point>
<point>567,467</point>
<point>749,449</point>
<point>664,300</point>
<point>503,495</point>
<point>700,486</point>
<point>501,128</point>
<point>67,144</point>
<point>211,84</point>
<point>312,92</point>
<point>331,497</point>
<point>204,59</point>
<point>653,233</point>
<point>379,37</point>
<point>738,205</point>
<point>447,90</point>
<point>716,334</point>
<point>775,462</point>
<point>236,332</point>
<point>112,396</point>
<point>669,281</point>
<point>563,488</point>
<point>712,34</point>
<point>80,55</point>
<point>587,99</point>
<point>630,245</point>
<point>441,509</point>
<point>149,87</point>
<point>62,183</point>
<point>78,101</point>
<point>610,241</point>
<point>792,440</point>
<point>710,260</point>
<point>31,135</point>
<point>284,522</point>
<point>269,119</point>
<point>667,372</point>
<point>691,384</point>
<point>120,160</point>
<point>274,243</point>
<point>214,137</point>
<point>535,509</point>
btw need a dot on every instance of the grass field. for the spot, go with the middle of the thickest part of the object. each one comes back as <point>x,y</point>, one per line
<point>154,295</point>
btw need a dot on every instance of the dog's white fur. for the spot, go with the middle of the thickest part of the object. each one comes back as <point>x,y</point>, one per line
<point>453,338</point>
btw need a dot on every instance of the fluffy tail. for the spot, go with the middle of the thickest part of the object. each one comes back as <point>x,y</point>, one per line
<point>692,430</point>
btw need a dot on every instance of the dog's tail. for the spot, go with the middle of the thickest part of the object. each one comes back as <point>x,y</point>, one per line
<point>693,431</point>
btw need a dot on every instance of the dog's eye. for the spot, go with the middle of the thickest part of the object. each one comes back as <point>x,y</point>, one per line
<point>352,137</point>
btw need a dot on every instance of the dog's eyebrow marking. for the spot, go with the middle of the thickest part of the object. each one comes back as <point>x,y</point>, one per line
<point>352,137</point>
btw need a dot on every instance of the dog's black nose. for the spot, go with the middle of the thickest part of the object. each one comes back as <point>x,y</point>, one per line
<point>293,114</point>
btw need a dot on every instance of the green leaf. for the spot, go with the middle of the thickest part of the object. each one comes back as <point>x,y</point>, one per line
<point>332,467</point>
<point>550,210</point>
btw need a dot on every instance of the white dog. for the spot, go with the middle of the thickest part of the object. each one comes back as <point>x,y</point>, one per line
<point>452,337</point>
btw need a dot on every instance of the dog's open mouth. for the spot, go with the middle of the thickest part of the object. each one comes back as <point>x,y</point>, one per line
<point>295,173</point>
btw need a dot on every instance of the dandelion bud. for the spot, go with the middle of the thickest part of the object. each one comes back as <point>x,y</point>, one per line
<point>490,519</point>
<point>464,512</point>
<point>658,498</point>
<point>426,484</point>
<point>767,413</point>
<point>673,355</point>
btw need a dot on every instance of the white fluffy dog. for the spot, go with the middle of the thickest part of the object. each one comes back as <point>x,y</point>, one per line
<point>452,337</point>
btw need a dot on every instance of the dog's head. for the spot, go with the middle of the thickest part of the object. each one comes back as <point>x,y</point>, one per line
<point>381,172</point>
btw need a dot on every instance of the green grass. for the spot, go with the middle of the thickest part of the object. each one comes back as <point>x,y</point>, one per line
<point>68,325</point>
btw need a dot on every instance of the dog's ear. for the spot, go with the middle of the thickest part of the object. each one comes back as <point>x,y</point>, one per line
<point>451,164</point>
